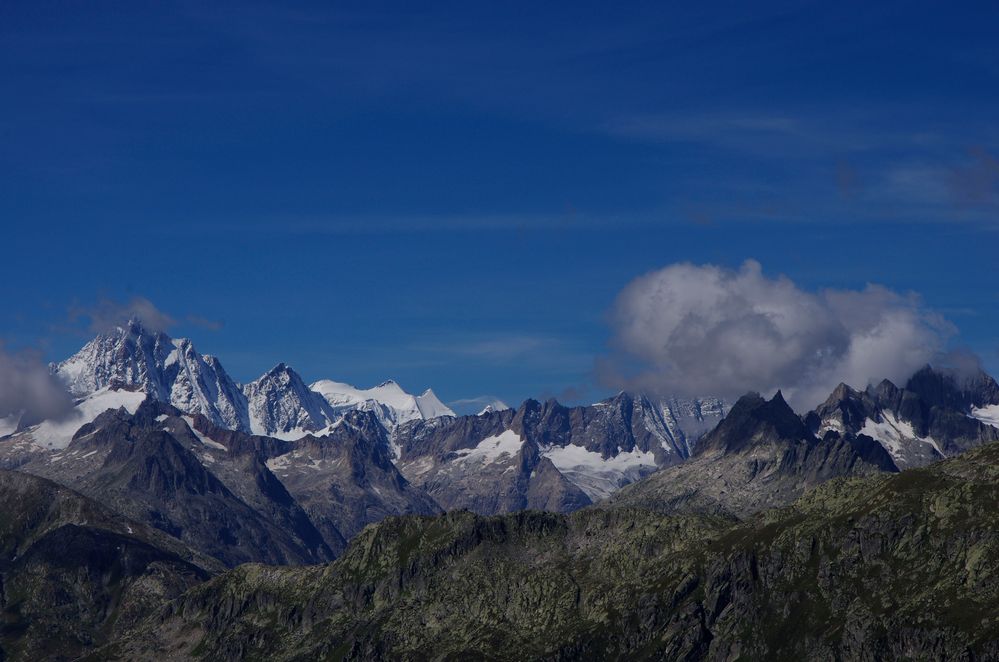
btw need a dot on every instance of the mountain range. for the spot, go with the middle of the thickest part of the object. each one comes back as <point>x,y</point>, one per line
<point>277,404</point>
<point>201,474</point>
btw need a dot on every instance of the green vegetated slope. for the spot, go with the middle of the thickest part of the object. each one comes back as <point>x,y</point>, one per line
<point>899,567</point>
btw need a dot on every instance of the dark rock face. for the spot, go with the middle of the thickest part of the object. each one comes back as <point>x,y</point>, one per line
<point>890,567</point>
<point>951,390</point>
<point>156,471</point>
<point>930,418</point>
<point>761,455</point>
<point>73,573</point>
<point>217,490</point>
<point>346,480</point>
<point>559,458</point>
<point>753,420</point>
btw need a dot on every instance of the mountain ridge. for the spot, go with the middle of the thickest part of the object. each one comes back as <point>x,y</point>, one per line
<point>278,403</point>
<point>886,567</point>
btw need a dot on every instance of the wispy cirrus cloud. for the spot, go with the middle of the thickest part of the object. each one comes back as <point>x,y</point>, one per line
<point>204,322</point>
<point>503,348</point>
<point>465,406</point>
<point>746,131</point>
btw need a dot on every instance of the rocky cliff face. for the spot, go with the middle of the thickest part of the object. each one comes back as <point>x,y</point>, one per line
<point>74,573</point>
<point>546,455</point>
<point>761,455</point>
<point>345,479</point>
<point>234,496</point>
<point>281,405</point>
<point>937,414</point>
<point>151,467</point>
<point>890,567</point>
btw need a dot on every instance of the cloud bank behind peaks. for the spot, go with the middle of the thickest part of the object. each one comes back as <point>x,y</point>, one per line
<point>706,330</point>
<point>28,391</point>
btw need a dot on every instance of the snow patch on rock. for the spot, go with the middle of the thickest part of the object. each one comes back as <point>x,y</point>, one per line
<point>988,415</point>
<point>895,435</point>
<point>491,449</point>
<point>203,438</point>
<point>596,475</point>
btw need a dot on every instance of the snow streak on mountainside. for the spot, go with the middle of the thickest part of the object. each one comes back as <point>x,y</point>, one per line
<point>898,437</point>
<point>597,476</point>
<point>988,415</point>
<point>936,414</point>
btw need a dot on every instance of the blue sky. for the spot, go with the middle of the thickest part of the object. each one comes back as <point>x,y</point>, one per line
<point>453,196</point>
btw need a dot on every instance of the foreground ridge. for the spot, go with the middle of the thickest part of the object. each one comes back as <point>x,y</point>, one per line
<point>885,567</point>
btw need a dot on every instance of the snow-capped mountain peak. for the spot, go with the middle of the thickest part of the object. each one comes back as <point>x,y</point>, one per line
<point>168,370</point>
<point>430,405</point>
<point>280,404</point>
<point>390,403</point>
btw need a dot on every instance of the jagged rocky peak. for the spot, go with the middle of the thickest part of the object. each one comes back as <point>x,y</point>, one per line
<point>755,420</point>
<point>124,354</point>
<point>280,404</point>
<point>166,369</point>
<point>954,389</point>
<point>359,423</point>
<point>845,410</point>
<point>938,413</point>
<point>564,455</point>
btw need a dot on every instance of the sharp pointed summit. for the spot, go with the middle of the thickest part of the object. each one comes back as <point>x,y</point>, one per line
<point>169,370</point>
<point>281,405</point>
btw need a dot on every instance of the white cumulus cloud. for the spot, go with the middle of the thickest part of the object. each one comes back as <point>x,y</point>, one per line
<point>28,390</point>
<point>705,330</point>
